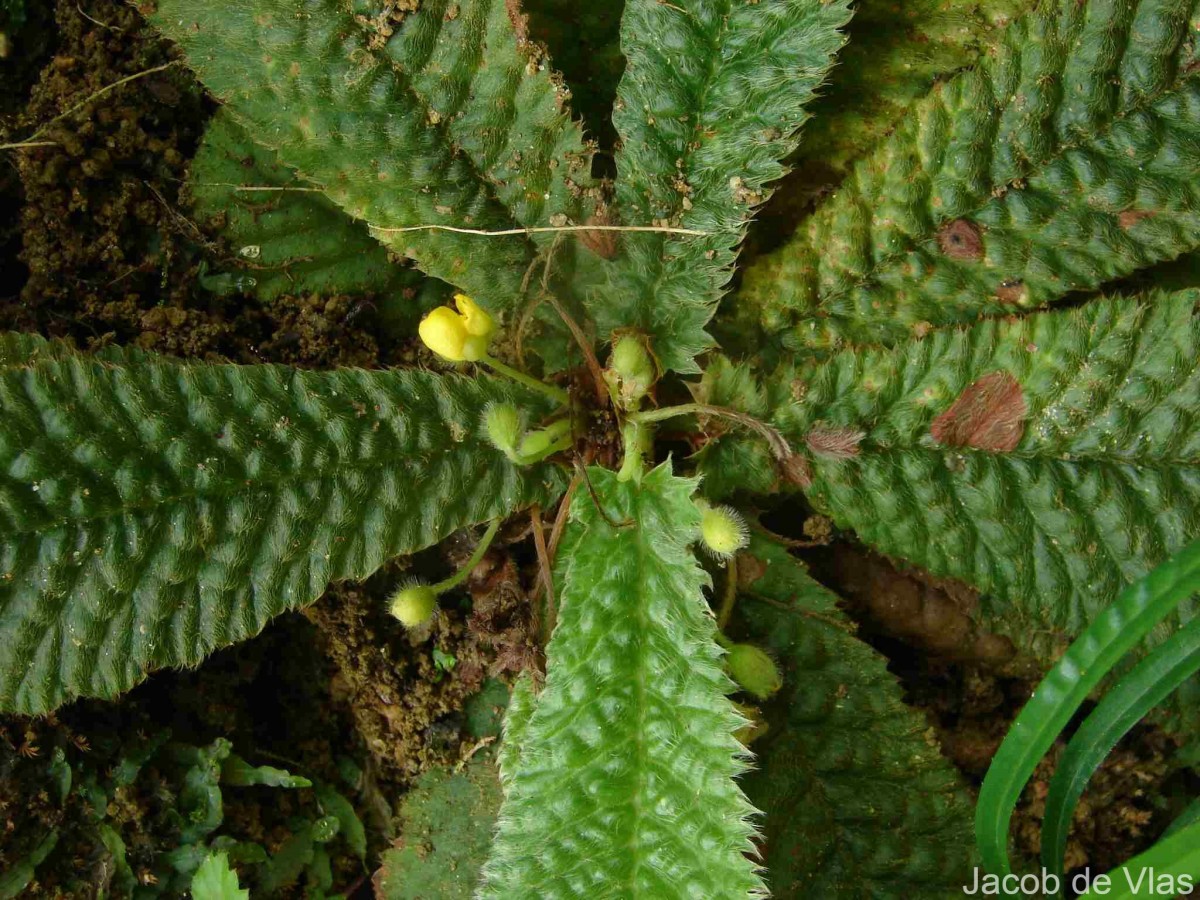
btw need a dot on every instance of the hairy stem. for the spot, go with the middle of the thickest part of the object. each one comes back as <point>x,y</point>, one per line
<point>776,441</point>
<point>481,548</point>
<point>529,381</point>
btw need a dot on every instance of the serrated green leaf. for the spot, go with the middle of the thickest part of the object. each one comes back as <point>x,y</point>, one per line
<point>1066,160</point>
<point>895,54</point>
<point>392,128</point>
<point>517,717</point>
<point>859,802</point>
<point>1101,484</point>
<point>151,512</point>
<point>290,240</point>
<point>447,820</point>
<point>584,42</point>
<point>711,101</point>
<point>632,725</point>
<point>214,880</point>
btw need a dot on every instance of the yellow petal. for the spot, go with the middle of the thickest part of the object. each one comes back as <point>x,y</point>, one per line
<point>478,322</point>
<point>444,332</point>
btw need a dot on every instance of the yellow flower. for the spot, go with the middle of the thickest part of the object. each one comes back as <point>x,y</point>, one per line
<point>458,336</point>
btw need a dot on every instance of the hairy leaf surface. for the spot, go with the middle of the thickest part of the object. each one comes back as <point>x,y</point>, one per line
<point>153,511</point>
<point>712,99</point>
<point>1065,161</point>
<point>839,725</point>
<point>291,238</point>
<point>624,786</point>
<point>895,54</point>
<point>448,121</point>
<point>1102,482</point>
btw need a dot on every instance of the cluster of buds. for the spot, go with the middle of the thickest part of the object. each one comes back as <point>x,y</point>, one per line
<point>506,432</point>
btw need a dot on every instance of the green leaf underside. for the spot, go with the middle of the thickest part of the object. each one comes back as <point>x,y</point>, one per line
<point>1065,161</point>
<point>624,786</point>
<point>838,725</point>
<point>447,819</point>
<point>302,242</point>
<point>712,98</point>
<point>448,122</point>
<point>1103,485</point>
<point>152,512</point>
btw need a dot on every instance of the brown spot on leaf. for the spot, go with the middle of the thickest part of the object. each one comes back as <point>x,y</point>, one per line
<point>961,239</point>
<point>1011,292</point>
<point>989,415</point>
<point>603,243</point>
<point>1131,217</point>
<point>834,443</point>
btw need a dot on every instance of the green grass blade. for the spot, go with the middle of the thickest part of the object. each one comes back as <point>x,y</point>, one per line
<point>1114,633</point>
<point>1176,857</point>
<point>1187,818</point>
<point>1154,678</point>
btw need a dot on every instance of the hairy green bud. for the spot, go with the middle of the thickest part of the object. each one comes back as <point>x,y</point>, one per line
<point>503,424</point>
<point>722,531</point>
<point>550,439</point>
<point>413,604</point>
<point>630,370</point>
<point>753,670</point>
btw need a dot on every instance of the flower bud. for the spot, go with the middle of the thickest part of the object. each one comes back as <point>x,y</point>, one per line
<point>538,443</point>
<point>413,604</point>
<point>503,424</point>
<point>755,727</point>
<point>630,370</point>
<point>753,670</point>
<point>722,530</point>
<point>458,336</point>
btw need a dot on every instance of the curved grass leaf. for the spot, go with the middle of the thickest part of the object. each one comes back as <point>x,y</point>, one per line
<point>624,785</point>
<point>858,800</point>
<point>292,240</point>
<point>711,101</point>
<point>1176,858</point>
<point>1146,686</point>
<point>451,121</point>
<point>1051,495</point>
<point>1102,645</point>
<point>153,511</point>
<point>1188,817</point>
<point>1066,160</point>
